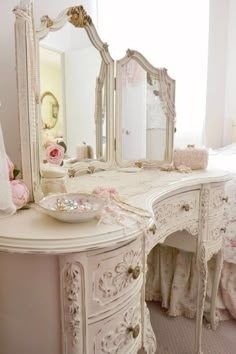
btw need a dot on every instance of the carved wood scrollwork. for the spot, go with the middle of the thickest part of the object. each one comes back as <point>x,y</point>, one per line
<point>192,228</point>
<point>121,336</point>
<point>72,302</point>
<point>46,19</point>
<point>125,272</point>
<point>202,284</point>
<point>150,343</point>
<point>205,205</point>
<point>218,199</point>
<point>78,16</point>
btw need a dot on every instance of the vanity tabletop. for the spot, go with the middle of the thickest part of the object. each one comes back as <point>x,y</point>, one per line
<point>29,231</point>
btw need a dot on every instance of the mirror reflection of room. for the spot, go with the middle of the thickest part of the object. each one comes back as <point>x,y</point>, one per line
<point>143,118</point>
<point>51,93</point>
<point>70,67</point>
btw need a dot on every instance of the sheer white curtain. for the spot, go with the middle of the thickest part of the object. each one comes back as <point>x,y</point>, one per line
<point>171,34</point>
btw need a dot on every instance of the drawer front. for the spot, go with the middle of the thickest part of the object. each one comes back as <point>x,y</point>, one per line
<point>231,193</point>
<point>114,274</point>
<point>217,201</point>
<point>176,211</point>
<point>118,334</point>
<point>216,233</point>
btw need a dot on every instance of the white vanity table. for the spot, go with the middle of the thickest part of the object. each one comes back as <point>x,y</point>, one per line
<point>92,277</point>
<point>102,269</point>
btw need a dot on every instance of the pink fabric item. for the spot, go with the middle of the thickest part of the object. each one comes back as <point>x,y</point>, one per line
<point>195,158</point>
<point>20,193</point>
<point>172,279</point>
<point>228,287</point>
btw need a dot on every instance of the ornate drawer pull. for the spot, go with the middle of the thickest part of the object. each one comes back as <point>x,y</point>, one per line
<point>153,229</point>
<point>223,229</point>
<point>134,271</point>
<point>134,330</point>
<point>225,199</point>
<point>186,207</point>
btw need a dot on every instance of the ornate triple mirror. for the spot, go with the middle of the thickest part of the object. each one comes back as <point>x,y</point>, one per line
<point>67,89</point>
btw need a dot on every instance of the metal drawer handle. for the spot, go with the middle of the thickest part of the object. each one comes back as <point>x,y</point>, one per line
<point>223,229</point>
<point>153,229</point>
<point>186,207</point>
<point>134,330</point>
<point>225,199</point>
<point>134,271</point>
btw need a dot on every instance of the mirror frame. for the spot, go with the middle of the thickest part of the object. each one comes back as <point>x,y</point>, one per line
<point>168,102</point>
<point>27,60</point>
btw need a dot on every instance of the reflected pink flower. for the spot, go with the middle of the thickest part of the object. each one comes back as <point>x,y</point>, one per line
<point>55,154</point>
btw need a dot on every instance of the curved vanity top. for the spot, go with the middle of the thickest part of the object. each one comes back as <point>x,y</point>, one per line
<point>31,232</point>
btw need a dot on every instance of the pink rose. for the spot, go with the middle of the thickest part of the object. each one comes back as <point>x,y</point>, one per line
<point>20,193</point>
<point>10,169</point>
<point>55,154</point>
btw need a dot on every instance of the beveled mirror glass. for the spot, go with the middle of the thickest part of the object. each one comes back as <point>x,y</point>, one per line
<point>145,112</point>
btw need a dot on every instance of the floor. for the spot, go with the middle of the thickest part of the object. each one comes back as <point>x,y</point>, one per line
<point>175,335</point>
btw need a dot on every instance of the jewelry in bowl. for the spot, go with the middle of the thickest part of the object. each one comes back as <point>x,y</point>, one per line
<point>71,207</point>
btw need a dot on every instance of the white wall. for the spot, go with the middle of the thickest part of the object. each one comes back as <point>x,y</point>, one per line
<point>82,67</point>
<point>221,103</point>
<point>8,91</point>
<point>230,87</point>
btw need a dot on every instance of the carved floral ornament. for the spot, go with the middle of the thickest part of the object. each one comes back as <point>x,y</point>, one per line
<point>72,294</point>
<point>46,19</point>
<point>78,16</point>
<point>127,330</point>
<point>114,281</point>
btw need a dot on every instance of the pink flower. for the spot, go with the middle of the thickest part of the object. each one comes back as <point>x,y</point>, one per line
<point>10,169</point>
<point>20,193</point>
<point>232,243</point>
<point>55,154</point>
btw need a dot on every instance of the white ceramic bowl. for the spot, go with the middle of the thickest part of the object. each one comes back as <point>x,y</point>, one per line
<point>71,207</point>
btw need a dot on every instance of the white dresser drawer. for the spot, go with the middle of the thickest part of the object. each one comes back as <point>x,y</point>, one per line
<point>217,230</point>
<point>113,275</point>
<point>177,210</point>
<point>118,334</point>
<point>217,201</point>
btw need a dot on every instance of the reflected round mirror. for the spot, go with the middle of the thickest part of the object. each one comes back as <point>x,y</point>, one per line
<point>49,110</point>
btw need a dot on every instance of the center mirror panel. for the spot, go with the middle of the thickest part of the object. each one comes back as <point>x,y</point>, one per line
<point>76,85</point>
<point>145,112</point>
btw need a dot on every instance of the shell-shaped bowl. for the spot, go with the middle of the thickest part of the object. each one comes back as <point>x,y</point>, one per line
<point>71,207</point>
